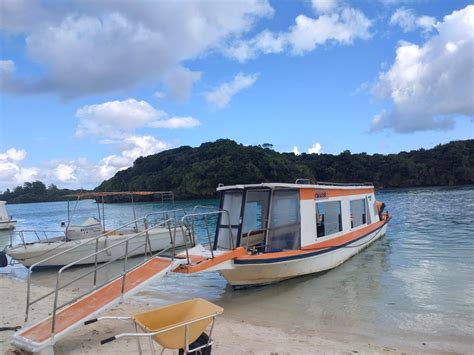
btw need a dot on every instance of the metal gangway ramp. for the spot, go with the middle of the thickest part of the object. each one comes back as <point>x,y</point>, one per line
<point>40,338</point>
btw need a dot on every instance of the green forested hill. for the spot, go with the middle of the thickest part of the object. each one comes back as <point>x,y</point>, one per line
<point>195,172</point>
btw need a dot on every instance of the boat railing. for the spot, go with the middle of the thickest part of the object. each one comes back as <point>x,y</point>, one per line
<point>125,254</point>
<point>176,214</point>
<point>189,221</point>
<point>205,207</point>
<point>89,241</point>
<point>145,220</point>
<point>368,184</point>
<point>36,235</point>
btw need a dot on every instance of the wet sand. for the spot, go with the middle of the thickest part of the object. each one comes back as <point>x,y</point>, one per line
<point>232,335</point>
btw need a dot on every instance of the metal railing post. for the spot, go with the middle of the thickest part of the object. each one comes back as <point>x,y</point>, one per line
<point>95,260</point>
<point>183,231</point>
<point>28,289</point>
<point>208,235</point>
<point>173,244</point>
<point>55,304</point>
<point>124,266</point>
<point>230,230</point>
<point>147,236</point>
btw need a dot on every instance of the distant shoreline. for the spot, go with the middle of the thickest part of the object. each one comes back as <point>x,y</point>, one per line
<point>213,198</point>
<point>194,173</point>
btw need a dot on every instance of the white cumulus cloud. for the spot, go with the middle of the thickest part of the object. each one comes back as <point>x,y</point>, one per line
<point>11,171</point>
<point>65,172</point>
<point>336,23</point>
<point>179,82</point>
<point>407,20</point>
<point>116,118</point>
<point>77,173</point>
<point>342,27</point>
<point>221,96</point>
<point>296,150</point>
<point>132,148</point>
<point>88,47</point>
<point>323,6</point>
<point>315,148</point>
<point>430,84</point>
<point>13,154</point>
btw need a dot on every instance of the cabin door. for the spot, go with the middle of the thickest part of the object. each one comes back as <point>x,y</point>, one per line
<point>254,218</point>
<point>228,230</point>
<point>284,224</point>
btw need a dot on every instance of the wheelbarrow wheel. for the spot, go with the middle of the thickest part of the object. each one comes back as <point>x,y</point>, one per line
<point>202,340</point>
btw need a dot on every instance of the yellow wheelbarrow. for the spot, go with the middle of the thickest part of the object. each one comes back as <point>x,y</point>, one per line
<point>177,326</point>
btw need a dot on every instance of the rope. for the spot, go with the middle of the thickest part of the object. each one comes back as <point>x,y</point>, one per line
<point>15,328</point>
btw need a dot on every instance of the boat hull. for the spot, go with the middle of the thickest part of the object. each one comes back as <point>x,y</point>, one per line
<point>268,271</point>
<point>32,253</point>
<point>7,225</point>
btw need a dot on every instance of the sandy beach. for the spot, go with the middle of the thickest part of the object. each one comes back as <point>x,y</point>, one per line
<point>232,336</point>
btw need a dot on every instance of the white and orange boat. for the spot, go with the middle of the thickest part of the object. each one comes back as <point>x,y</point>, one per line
<point>265,233</point>
<point>271,232</point>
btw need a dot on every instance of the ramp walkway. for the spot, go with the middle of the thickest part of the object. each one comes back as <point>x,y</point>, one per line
<point>40,337</point>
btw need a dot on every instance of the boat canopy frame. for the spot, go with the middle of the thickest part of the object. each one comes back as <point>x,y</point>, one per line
<point>99,197</point>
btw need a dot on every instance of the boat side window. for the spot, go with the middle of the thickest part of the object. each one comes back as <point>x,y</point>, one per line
<point>285,224</point>
<point>328,218</point>
<point>358,213</point>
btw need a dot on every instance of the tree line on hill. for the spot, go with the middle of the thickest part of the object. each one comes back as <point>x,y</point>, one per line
<point>196,172</point>
<point>35,191</point>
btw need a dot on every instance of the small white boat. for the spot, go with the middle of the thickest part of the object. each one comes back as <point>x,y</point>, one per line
<point>80,240</point>
<point>6,222</point>
<point>271,232</point>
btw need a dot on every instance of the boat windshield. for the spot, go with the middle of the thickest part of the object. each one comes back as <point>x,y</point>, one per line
<point>259,219</point>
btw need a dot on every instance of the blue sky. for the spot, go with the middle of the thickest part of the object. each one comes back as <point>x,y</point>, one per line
<point>89,86</point>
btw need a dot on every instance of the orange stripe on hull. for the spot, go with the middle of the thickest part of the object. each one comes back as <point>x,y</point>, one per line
<point>95,301</point>
<point>241,254</point>
<point>343,239</point>
<point>316,194</point>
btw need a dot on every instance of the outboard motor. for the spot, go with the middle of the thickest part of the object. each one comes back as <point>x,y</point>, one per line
<point>3,259</point>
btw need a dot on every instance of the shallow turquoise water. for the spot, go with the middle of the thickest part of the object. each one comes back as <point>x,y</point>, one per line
<point>414,285</point>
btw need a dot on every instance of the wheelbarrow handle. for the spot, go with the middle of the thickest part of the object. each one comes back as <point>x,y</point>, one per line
<point>108,340</point>
<point>102,318</point>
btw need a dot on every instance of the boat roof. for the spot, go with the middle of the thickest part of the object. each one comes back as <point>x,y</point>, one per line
<point>95,194</point>
<point>317,185</point>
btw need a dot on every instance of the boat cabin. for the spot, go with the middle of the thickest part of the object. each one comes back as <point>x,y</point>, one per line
<point>273,217</point>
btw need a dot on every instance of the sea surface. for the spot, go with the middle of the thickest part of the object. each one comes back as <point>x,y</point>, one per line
<point>415,285</point>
